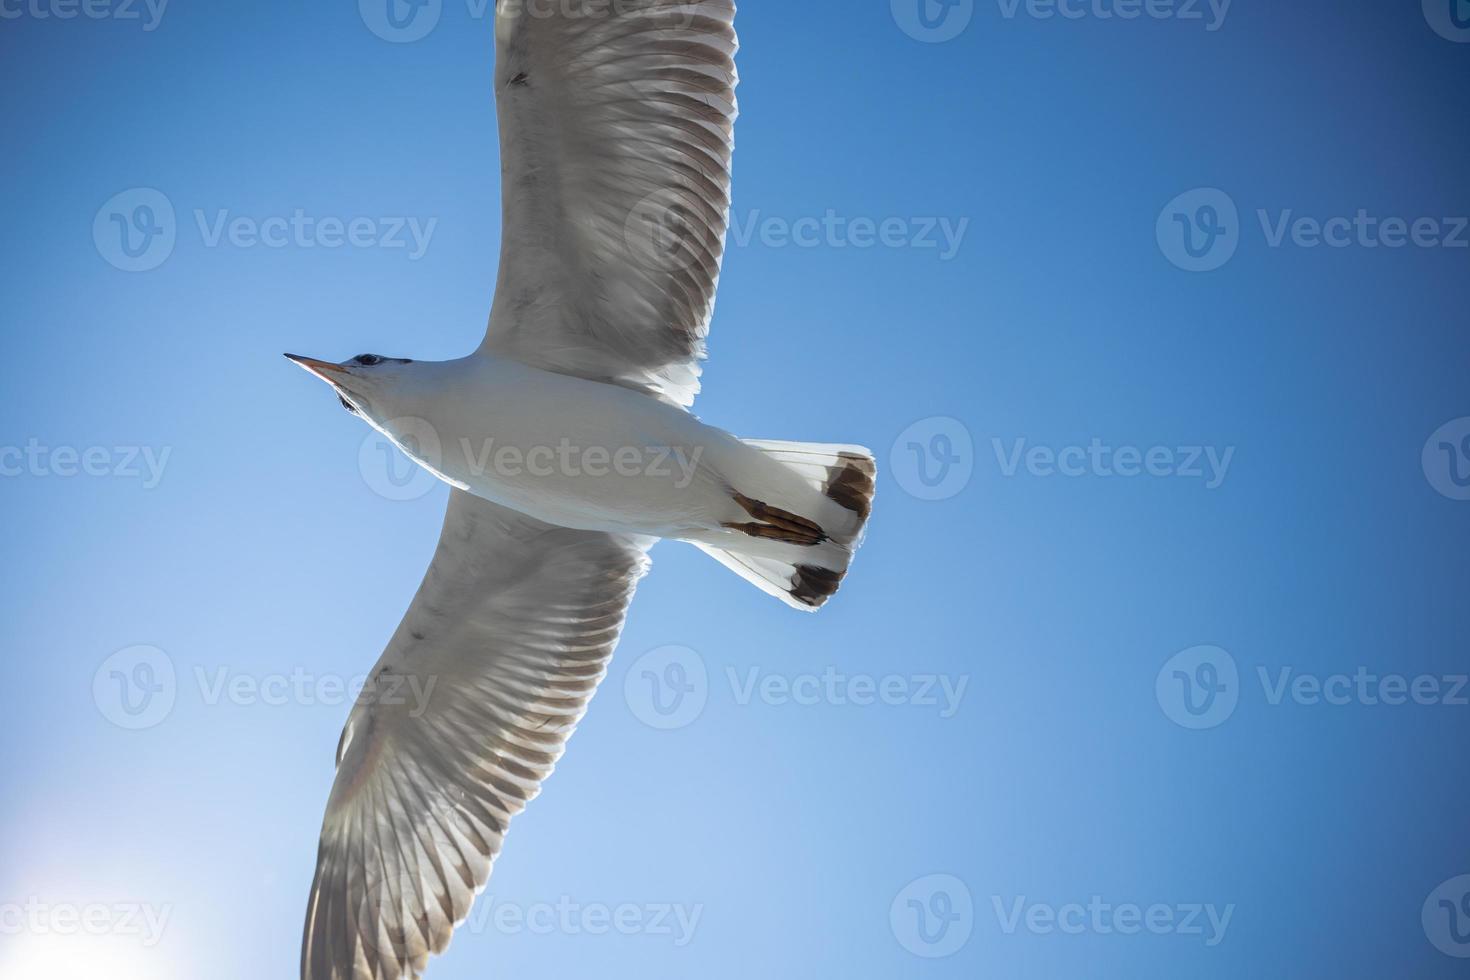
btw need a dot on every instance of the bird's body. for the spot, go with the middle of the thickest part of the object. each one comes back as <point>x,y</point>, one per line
<point>588,455</point>
<point>568,441</point>
<point>548,445</point>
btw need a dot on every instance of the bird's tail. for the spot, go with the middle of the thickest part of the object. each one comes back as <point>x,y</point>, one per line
<point>799,533</point>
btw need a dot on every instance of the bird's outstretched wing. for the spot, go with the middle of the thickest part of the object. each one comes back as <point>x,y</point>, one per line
<point>466,713</point>
<point>616,131</point>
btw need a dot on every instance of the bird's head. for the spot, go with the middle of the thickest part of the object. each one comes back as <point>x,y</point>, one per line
<point>367,385</point>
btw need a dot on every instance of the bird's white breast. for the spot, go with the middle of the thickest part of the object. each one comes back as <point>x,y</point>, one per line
<point>564,450</point>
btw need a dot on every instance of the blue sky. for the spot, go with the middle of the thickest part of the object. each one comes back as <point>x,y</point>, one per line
<point>1149,668</point>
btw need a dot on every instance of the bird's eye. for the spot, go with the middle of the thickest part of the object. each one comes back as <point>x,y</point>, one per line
<point>367,360</point>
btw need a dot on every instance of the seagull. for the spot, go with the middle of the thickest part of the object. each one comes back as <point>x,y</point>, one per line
<point>568,443</point>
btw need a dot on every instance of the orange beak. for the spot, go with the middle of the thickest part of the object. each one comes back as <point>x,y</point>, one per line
<point>319,368</point>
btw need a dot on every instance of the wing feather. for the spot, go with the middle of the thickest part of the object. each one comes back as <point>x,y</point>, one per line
<point>616,127</point>
<point>502,649</point>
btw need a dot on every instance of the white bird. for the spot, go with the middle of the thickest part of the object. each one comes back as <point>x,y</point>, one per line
<point>568,443</point>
